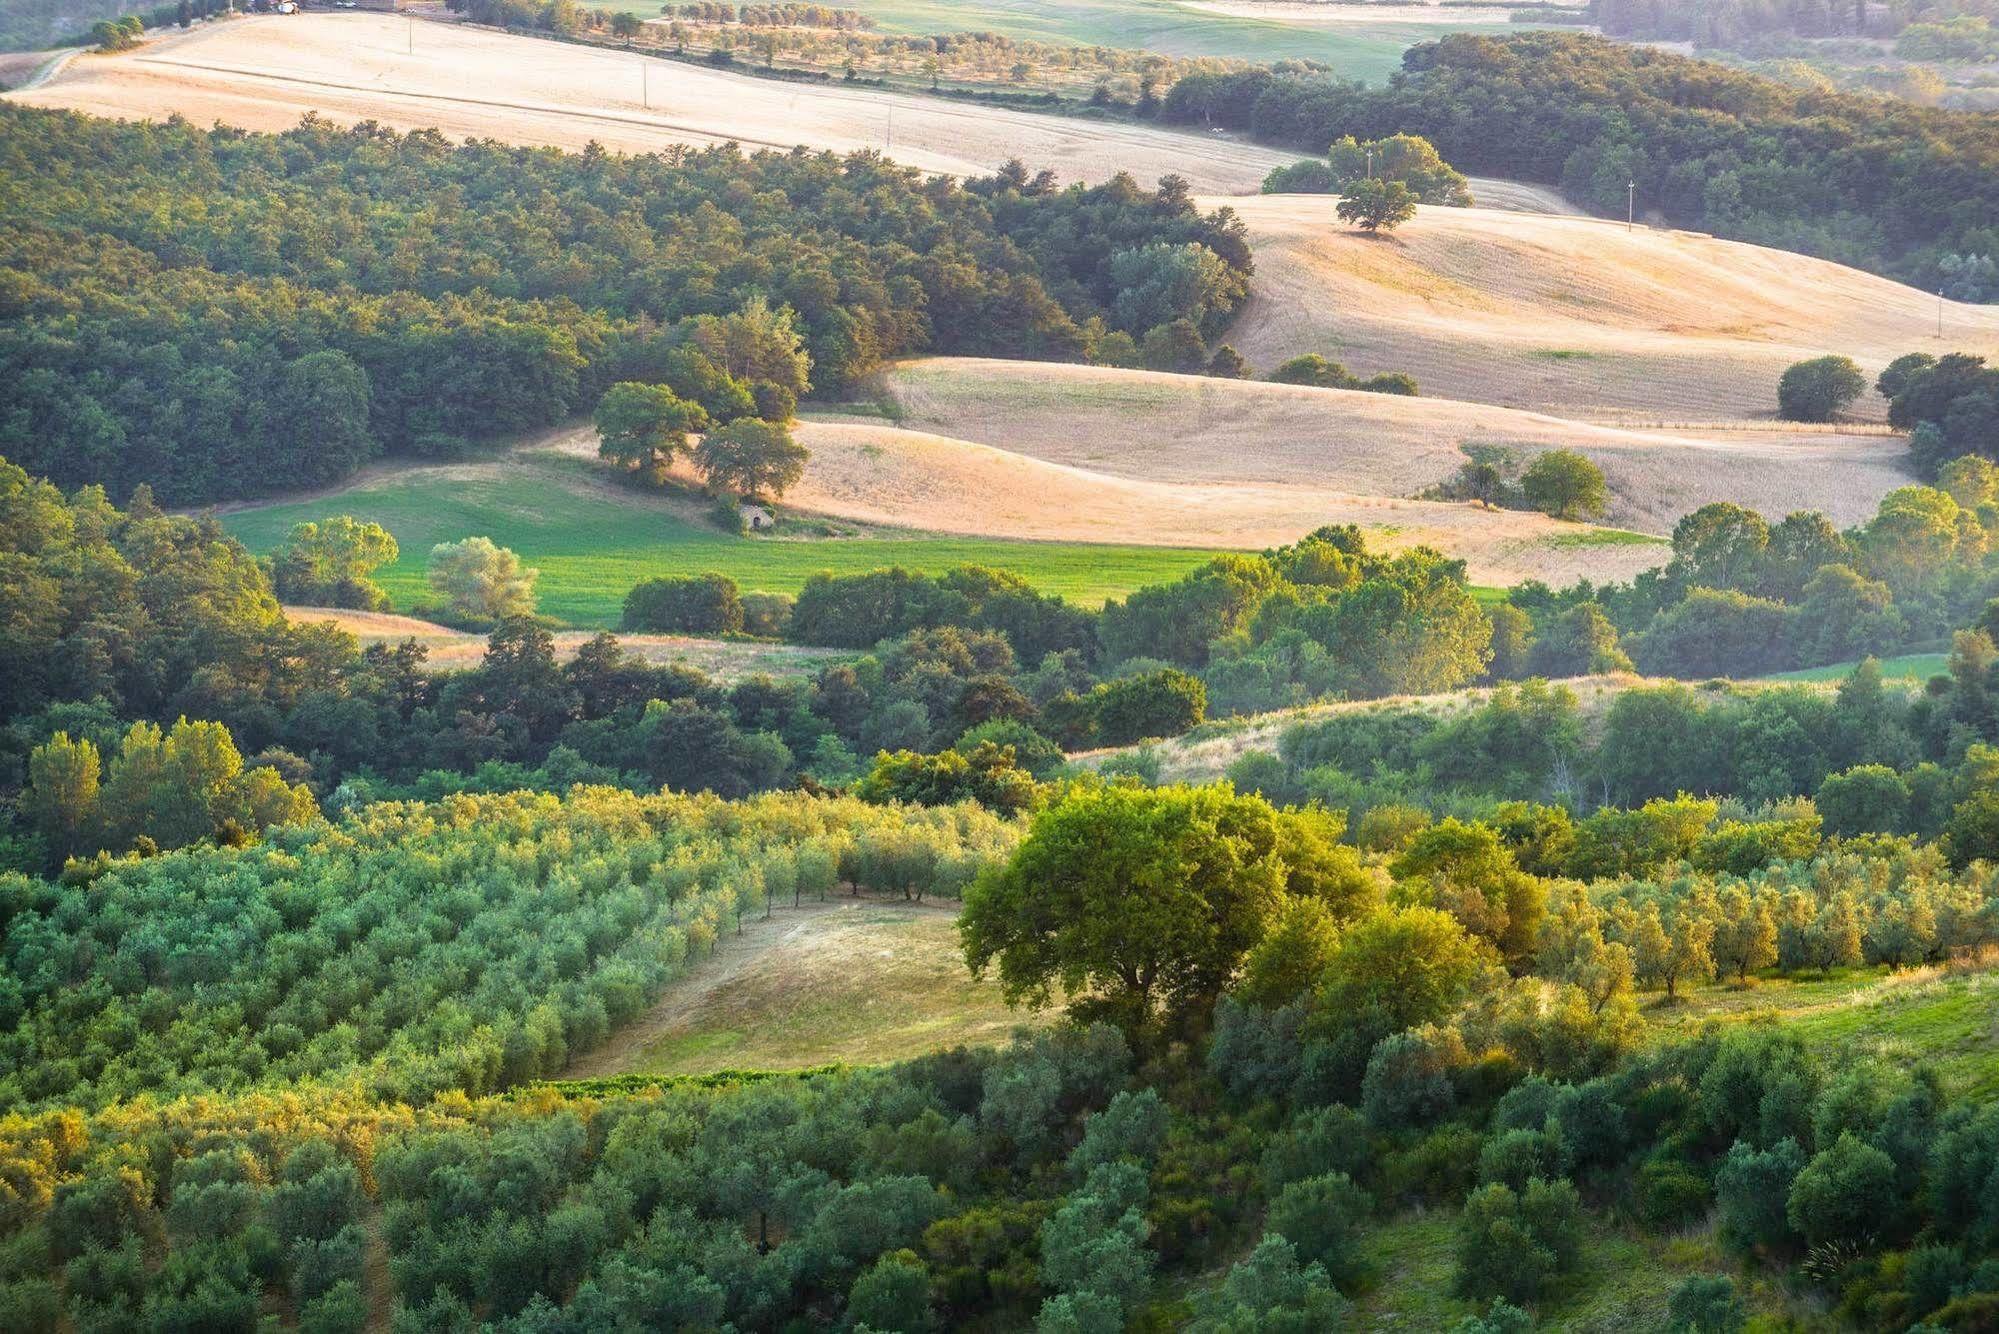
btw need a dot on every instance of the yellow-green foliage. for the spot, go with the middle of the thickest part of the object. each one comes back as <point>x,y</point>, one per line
<point>470,944</point>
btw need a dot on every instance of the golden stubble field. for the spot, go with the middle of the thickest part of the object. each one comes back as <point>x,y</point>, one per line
<point>1574,315</point>
<point>264,73</point>
<point>1146,426</point>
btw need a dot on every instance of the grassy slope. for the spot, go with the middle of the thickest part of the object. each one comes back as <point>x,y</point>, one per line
<point>1908,667</point>
<point>592,543</point>
<point>1916,1015</point>
<point>857,982</point>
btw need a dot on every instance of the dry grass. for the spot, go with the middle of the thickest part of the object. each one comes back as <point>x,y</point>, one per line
<point>1151,427</point>
<point>887,475</point>
<point>1573,315</point>
<point>455,650</point>
<point>264,73</point>
<point>17,67</point>
<point>1206,753</point>
<point>852,981</point>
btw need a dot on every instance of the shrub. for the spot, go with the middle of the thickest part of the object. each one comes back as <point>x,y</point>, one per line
<point>1847,1194</point>
<point>1707,1305</point>
<point>1322,1217</point>
<point>691,604</point>
<point>1164,703</point>
<point>1516,1245</point>
<point>1564,484</point>
<point>1670,1193</point>
<point>1820,389</point>
<point>1407,1083</point>
<point>893,1295</point>
<point>1270,1291</point>
<point>1311,177</point>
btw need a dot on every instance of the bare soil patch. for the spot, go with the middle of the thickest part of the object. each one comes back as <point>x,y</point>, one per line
<point>727,660</point>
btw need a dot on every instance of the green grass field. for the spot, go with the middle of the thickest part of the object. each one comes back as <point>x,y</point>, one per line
<point>1908,667</point>
<point>1928,1015</point>
<point>592,542</point>
<point>1368,50</point>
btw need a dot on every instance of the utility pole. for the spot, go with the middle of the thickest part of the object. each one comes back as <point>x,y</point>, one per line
<point>1630,203</point>
<point>1939,313</point>
<point>1370,162</point>
<point>411,34</point>
<point>645,83</point>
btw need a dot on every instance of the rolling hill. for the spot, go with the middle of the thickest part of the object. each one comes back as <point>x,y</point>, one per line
<point>1187,429</point>
<point>1574,315</point>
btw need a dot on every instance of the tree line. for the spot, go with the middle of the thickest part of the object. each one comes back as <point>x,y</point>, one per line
<point>1870,181</point>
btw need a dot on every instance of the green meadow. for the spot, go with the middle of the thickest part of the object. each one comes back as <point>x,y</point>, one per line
<point>1369,49</point>
<point>1907,667</point>
<point>593,541</point>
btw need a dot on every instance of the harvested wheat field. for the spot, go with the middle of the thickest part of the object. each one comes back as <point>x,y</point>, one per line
<point>265,73</point>
<point>454,650</point>
<point>884,475</point>
<point>17,68</point>
<point>1152,427</point>
<point>1573,315</point>
<point>893,478</point>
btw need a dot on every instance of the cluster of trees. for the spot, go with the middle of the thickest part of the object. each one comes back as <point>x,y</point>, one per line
<point>328,563</point>
<point>1742,596</point>
<point>1968,38</point>
<point>1443,1025</point>
<point>1875,762</point>
<point>1322,617</point>
<point>1561,483</point>
<point>114,35</point>
<point>1406,159</point>
<point>160,790</point>
<point>1948,404</point>
<point>749,452</point>
<point>770,16</point>
<point>1322,373</point>
<point>1711,148</point>
<point>216,313</point>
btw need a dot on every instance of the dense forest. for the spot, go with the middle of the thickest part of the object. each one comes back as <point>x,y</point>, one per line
<point>1864,180</point>
<point>214,313</point>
